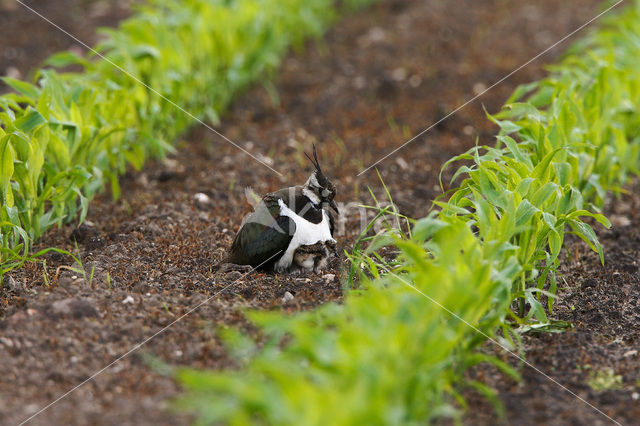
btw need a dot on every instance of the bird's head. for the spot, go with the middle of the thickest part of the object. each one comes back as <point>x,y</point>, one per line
<point>318,188</point>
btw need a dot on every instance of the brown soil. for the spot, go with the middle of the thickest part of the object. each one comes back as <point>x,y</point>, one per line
<point>27,40</point>
<point>377,77</point>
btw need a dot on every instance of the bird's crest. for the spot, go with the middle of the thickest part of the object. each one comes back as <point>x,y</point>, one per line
<point>322,180</point>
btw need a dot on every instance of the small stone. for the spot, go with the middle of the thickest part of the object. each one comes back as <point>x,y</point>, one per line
<point>377,34</point>
<point>359,82</point>
<point>72,307</point>
<point>288,297</point>
<point>7,342</point>
<point>618,220</point>
<point>635,396</point>
<point>399,74</point>
<point>265,159</point>
<point>630,353</point>
<point>415,81</point>
<point>13,72</point>
<point>202,198</point>
<point>328,277</point>
<point>402,163</point>
<point>479,88</point>
<point>128,299</point>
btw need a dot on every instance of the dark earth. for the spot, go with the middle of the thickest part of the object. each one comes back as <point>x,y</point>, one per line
<point>377,78</point>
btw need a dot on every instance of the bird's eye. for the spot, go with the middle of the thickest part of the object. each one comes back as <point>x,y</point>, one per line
<point>325,193</point>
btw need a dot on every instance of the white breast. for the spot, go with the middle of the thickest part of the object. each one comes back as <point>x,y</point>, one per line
<point>307,233</point>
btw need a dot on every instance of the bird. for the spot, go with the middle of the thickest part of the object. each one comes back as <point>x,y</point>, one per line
<point>290,229</point>
<point>314,257</point>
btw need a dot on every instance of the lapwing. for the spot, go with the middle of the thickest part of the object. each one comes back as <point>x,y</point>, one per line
<point>290,229</point>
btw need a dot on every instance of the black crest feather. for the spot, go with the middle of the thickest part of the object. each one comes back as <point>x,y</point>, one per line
<point>314,160</point>
<point>322,180</point>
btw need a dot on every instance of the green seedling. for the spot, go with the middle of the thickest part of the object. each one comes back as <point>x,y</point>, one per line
<point>604,379</point>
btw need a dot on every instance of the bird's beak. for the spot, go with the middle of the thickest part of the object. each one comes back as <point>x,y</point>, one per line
<point>334,206</point>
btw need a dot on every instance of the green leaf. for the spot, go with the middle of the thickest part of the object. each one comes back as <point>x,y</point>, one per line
<point>542,195</point>
<point>59,151</point>
<point>6,172</point>
<point>515,151</point>
<point>27,89</point>
<point>597,216</point>
<point>525,212</point>
<point>563,173</point>
<point>536,307</point>
<point>555,243</point>
<point>426,227</point>
<point>542,168</point>
<point>64,59</point>
<point>31,120</point>
<point>522,90</point>
<point>145,51</point>
<point>522,109</point>
<point>551,326</point>
<point>523,186</point>
<point>585,232</point>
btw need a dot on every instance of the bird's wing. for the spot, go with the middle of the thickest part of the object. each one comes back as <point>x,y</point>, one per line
<point>264,236</point>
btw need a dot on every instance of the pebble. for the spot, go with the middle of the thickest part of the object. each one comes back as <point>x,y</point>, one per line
<point>288,297</point>
<point>328,277</point>
<point>479,88</point>
<point>377,34</point>
<point>128,299</point>
<point>13,72</point>
<point>359,82</point>
<point>201,197</point>
<point>399,74</point>
<point>402,163</point>
<point>76,308</point>
<point>618,220</point>
<point>415,81</point>
<point>265,159</point>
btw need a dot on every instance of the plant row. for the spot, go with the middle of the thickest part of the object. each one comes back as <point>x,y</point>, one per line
<point>68,134</point>
<point>396,350</point>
